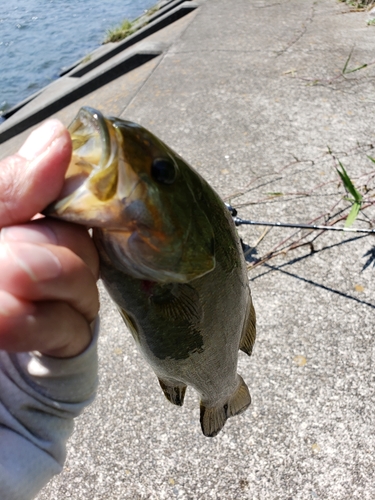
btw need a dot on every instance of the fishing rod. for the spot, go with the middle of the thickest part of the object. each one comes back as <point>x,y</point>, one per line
<point>240,222</point>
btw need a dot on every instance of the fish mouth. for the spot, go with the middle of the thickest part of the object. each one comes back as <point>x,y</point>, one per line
<point>89,192</point>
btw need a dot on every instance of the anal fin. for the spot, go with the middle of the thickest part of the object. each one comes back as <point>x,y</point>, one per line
<point>249,333</point>
<point>213,418</point>
<point>175,393</point>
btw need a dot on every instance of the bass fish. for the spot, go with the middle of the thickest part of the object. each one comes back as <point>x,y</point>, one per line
<point>170,258</point>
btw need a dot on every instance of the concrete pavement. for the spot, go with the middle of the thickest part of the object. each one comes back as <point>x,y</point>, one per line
<point>251,93</point>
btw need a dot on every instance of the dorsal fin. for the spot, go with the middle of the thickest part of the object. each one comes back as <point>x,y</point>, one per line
<point>249,333</point>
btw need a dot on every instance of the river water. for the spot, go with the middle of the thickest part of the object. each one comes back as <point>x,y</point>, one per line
<point>40,37</point>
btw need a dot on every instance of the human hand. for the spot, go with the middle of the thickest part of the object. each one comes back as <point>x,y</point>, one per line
<point>48,268</point>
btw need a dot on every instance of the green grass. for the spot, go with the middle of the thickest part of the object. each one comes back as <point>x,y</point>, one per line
<point>118,33</point>
<point>359,4</point>
<point>127,28</point>
<point>356,199</point>
<point>86,59</point>
<point>152,10</point>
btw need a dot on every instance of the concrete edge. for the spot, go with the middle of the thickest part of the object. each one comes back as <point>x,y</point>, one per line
<point>106,47</point>
<point>21,104</point>
<point>170,17</point>
<point>80,88</point>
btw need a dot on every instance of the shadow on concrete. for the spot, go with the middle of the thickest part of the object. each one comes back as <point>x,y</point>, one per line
<point>371,258</point>
<point>314,283</point>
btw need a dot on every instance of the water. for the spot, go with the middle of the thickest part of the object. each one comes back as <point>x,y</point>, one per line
<point>40,37</point>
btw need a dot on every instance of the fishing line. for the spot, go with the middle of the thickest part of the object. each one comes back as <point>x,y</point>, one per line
<point>241,222</point>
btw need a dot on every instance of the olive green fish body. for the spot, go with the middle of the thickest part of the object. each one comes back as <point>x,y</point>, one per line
<point>170,258</point>
<point>188,332</point>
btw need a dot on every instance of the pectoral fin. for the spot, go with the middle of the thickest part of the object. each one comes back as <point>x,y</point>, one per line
<point>178,302</point>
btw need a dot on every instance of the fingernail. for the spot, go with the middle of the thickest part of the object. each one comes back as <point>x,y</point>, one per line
<point>28,234</point>
<point>37,261</point>
<point>39,140</point>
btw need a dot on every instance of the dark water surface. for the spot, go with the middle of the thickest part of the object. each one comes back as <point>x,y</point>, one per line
<point>39,37</point>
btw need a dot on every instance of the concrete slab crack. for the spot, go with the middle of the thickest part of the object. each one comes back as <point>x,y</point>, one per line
<point>300,33</point>
<point>161,58</point>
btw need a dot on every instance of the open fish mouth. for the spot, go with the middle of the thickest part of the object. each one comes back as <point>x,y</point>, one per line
<point>90,136</point>
<point>89,192</point>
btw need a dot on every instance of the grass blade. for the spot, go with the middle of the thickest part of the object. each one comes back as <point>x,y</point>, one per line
<point>356,69</point>
<point>349,186</point>
<point>352,214</point>
<point>347,61</point>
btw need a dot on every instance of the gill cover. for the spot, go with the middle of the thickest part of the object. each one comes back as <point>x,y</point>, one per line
<point>141,197</point>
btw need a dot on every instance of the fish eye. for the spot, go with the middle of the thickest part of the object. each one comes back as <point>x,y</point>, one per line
<point>163,171</point>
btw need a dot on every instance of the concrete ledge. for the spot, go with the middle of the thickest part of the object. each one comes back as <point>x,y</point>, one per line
<point>66,90</point>
<point>168,5</point>
<point>181,10</point>
<point>20,104</point>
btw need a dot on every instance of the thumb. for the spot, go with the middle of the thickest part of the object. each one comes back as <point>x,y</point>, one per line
<point>33,178</point>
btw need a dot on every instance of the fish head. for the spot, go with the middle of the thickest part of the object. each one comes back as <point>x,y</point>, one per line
<point>142,197</point>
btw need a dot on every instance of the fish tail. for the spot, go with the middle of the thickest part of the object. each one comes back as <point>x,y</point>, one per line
<point>213,418</point>
<point>240,399</point>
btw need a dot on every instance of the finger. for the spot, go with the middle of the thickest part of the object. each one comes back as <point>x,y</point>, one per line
<point>34,272</point>
<point>55,232</point>
<point>34,177</point>
<point>52,328</point>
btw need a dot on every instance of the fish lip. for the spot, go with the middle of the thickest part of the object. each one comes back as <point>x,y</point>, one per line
<point>97,120</point>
